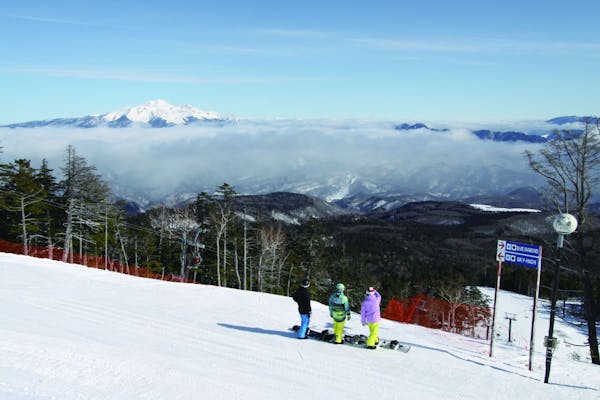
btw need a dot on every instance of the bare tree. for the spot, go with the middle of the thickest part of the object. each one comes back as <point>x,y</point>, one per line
<point>181,224</point>
<point>453,292</point>
<point>272,249</point>
<point>220,220</point>
<point>570,164</point>
<point>83,191</point>
<point>218,211</point>
<point>237,264</point>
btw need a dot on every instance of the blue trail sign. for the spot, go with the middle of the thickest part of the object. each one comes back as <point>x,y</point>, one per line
<point>526,255</point>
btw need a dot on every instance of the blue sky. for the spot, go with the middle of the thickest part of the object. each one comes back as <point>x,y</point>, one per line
<point>394,60</point>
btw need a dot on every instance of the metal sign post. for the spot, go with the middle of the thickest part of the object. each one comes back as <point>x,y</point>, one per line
<point>528,256</point>
<point>494,310</point>
<point>534,312</point>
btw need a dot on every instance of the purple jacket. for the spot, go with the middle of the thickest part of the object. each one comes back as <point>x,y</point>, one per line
<point>369,309</point>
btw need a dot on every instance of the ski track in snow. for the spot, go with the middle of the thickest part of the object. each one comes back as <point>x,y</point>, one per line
<point>69,332</point>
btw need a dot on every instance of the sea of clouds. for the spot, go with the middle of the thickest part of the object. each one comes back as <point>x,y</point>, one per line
<point>260,156</point>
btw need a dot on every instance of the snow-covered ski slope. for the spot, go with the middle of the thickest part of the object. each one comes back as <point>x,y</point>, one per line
<point>69,332</point>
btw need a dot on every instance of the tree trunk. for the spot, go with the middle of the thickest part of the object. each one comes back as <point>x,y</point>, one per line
<point>237,266</point>
<point>245,255</point>
<point>259,273</point>
<point>23,222</point>
<point>289,282</point>
<point>106,236</point>
<point>589,308</point>
<point>225,257</point>
<point>183,258</point>
<point>123,251</point>
<point>589,302</point>
<point>218,241</point>
<point>68,232</point>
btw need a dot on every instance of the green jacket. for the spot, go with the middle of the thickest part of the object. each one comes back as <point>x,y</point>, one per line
<point>339,307</point>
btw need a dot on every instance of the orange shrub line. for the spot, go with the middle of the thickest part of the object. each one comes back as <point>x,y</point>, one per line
<point>90,261</point>
<point>434,313</point>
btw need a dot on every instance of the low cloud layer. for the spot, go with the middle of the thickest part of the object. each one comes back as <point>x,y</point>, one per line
<point>257,156</point>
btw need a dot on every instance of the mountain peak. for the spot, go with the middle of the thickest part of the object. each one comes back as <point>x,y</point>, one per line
<point>571,119</point>
<point>157,102</point>
<point>160,113</point>
<point>154,113</point>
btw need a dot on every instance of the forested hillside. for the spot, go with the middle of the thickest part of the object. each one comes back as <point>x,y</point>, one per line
<point>270,242</point>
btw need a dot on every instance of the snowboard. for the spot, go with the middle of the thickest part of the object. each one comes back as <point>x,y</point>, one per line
<point>361,341</point>
<point>355,340</point>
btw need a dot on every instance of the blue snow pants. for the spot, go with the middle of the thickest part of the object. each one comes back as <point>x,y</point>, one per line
<point>304,321</point>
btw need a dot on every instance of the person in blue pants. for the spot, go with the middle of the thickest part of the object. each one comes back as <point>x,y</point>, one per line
<point>302,297</point>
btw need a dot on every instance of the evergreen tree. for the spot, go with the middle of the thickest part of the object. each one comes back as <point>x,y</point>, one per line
<point>22,193</point>
<point>51,217</point>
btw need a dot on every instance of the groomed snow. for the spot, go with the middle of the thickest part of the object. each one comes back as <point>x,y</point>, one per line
<point>69,332</point>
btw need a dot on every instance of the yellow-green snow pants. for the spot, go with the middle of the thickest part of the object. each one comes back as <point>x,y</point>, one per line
<point>373,333</point>
<point>338,329</point>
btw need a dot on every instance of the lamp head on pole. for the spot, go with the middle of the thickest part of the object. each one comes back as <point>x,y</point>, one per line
<point>564,224</point>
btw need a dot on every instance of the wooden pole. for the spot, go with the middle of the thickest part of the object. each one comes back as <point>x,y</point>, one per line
<point>534,312</point>
<point>494,310</point>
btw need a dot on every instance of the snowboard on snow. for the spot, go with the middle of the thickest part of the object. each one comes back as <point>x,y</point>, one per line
<point>361,341</point>
<point>355,340</point>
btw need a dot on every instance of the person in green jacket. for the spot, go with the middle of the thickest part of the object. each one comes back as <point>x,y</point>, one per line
<point>339,310</point>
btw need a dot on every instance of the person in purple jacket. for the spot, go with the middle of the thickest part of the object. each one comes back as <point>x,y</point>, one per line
<point>371,315</point>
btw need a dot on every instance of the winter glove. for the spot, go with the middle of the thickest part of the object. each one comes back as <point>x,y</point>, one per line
<point>348,317</point>
<point>364,323</point>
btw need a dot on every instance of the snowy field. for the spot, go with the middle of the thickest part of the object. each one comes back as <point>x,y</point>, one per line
<point>69,332</point>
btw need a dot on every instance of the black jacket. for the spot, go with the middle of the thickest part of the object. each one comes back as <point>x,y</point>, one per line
<point>302,297</point>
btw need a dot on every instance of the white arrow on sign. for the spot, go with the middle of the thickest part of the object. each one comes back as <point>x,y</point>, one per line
<point>501,250</point>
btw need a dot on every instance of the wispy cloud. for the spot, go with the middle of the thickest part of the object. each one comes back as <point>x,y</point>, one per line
<point>49,20</point>
<point>478,45</point>
<point>458,45</point>
<point>246,51</point>
<point>415,45</point>
<point>157,77</point>
<point>548,46</point>
<point>295,33</point>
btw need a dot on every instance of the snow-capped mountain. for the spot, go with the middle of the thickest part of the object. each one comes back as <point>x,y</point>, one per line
<point>362,165</point>
<point>154,113</point>
<point>161,114</point>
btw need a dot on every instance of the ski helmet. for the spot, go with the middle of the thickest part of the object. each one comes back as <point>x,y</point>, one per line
<point>340,287</point>
<point>305,283</point>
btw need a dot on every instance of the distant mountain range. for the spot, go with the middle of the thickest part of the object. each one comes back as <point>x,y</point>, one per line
<point>508,136</point>
<point>358,166</point>
<point>154,114</point>
<point>570,120</point>
<point>160,114</point>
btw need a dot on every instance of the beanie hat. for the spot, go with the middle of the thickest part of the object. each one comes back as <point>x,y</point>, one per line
<point>340,287</point>
<point>370,290</point>
<point>305,283</point>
